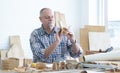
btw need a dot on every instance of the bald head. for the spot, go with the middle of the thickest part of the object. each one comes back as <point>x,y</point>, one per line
<point>44,10</point>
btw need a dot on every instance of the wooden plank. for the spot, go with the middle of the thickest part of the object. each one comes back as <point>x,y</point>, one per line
<point>3,53</point>
<point>57,18</point>
<point>95,28</point>
<point>84,39</point>
<point>16,50</point>
<point>15,40</point>
<point>60,19</point>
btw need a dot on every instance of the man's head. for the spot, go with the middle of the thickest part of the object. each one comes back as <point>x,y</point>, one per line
<point>47,18</point>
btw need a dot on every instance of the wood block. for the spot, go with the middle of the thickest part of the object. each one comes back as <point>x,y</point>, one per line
<point>40,65</point>
<point>27,61</point>
<point>71,64</point>
<point>62,65</point>
<point>55,66</point>
<point>3,53</point>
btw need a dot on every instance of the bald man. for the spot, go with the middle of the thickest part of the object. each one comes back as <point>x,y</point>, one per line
<point>48,44</point>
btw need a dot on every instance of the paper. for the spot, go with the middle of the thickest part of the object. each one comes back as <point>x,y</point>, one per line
<point>113,55</point>
<point>73,71</point>
<point>99,41</point>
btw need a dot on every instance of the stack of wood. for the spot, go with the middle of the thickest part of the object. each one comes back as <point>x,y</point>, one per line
<point>9,64</point>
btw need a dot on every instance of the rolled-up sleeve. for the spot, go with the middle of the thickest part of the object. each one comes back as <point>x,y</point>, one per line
<point>37,48</point>
<point>71,52</point>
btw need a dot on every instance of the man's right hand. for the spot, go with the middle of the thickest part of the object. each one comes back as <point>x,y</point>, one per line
<point>59,36</point>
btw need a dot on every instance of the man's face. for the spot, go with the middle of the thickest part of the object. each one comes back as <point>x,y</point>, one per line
<point>47,19</point>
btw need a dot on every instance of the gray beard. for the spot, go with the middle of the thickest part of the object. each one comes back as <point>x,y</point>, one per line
<point>51,26</point>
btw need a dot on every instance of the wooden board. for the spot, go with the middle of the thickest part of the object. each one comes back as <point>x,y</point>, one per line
<point>57,18</point>
<point>84,40</point>
<point>60,19</point>
<point>95,28</point>
<point>16,50</point>
<point>3,53</point>
<point>15,40</point>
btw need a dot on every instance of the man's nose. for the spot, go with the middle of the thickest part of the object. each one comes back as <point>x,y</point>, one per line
<point>51,19</point>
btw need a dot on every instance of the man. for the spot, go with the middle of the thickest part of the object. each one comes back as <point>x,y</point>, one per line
<point>49,44</point>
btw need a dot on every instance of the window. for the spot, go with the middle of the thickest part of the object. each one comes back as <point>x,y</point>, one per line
<point>107,13</point>
<point>97,12</point>
<point>114,22</point>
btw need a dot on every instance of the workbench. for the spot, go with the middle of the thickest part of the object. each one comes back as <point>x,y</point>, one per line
<point>63,71</point>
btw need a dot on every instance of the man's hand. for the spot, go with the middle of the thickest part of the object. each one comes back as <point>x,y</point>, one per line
<point>69,34</point>
<point>71,37</point>
<point>59,35</point>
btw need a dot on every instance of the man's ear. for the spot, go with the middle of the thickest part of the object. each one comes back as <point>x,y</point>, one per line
<point>39,17</point>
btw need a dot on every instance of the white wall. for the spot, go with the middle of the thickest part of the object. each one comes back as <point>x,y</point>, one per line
<point>20,17</point>
<point>113,10</point>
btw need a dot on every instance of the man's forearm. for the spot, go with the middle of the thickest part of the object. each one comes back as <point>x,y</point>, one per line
<point>75,46</point>
<point>51,49</point>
